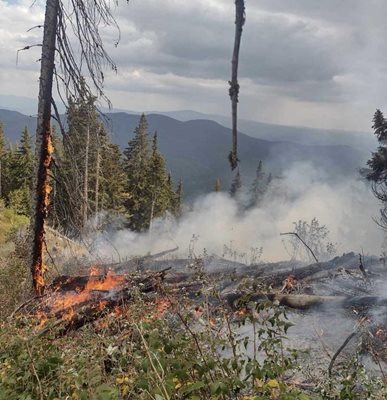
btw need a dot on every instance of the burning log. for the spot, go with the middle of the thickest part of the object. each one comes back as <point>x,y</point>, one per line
<point>82,299</point>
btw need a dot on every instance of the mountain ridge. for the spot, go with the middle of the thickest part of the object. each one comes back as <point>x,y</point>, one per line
<point>196,150</point>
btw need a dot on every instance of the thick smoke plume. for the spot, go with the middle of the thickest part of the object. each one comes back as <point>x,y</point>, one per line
<point>217,222</point>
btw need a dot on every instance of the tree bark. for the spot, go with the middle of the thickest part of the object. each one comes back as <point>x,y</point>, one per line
<point>86,175</point>
<point>43,147</point>
<point>97,167</point>
<point>234,85</point>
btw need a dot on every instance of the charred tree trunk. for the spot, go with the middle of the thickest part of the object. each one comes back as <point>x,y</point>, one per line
<point>234,85</point>
<point>43,148</point>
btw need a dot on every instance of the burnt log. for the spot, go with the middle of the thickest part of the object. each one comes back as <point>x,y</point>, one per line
<point>305,301</point>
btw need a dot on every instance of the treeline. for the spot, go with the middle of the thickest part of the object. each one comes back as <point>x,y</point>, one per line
<point>16,166</point>
<point>90,174</point>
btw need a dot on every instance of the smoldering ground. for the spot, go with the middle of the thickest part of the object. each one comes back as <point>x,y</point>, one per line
<point>216,222</point>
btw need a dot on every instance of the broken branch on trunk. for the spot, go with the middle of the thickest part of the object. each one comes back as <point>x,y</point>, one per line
<point>303,242</point>
<point>240,18</point>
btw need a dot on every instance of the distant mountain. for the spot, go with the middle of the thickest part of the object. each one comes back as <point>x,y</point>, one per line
<point>14,122</point>
<point>196,150</point>
<point>275,132</point>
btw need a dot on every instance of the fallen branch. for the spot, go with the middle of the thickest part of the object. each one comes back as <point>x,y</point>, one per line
<point>297,301</point>
<point>340,349</point>
<point>305,301</point>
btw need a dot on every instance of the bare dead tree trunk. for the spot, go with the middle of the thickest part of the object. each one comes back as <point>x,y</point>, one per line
<point>86,175</point>
<point>43,147</point>
<point>97,168</point>
<point>240,18</point>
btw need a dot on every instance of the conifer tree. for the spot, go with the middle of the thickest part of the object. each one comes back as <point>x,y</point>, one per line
<point>20,169</point>
<point>2,156</point>
<point>148,189</point>
<point>159,183</point>
<point>377,172</point>
<point>26,159</point>
<point>236,184</point>
<point>137,156</point>
<point>112,185</point>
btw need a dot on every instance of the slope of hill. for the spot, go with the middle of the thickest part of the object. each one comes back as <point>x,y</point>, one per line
<point>275,132</point>
<point>196,150</point>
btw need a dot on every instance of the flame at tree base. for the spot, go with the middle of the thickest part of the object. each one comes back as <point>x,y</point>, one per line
<point>43,190</point>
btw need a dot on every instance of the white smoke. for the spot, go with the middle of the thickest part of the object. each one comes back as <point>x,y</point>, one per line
<point>215,220</point>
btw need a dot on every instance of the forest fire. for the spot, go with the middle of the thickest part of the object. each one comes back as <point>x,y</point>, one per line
<point>82,299</point>
<point>95,288</point>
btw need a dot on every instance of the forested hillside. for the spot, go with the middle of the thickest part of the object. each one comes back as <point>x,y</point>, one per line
<point>195,150</point>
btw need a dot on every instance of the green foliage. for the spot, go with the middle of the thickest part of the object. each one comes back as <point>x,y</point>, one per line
<point>88,171</point>
<point>376,172</point>
<point>10,223</point>
<point>149,191</point>
<point>20,200</point>
<point>13,259</point>
<point>160,359</point>
<point>351,382</point>
<point>16,173</point>
<point>194,352</point>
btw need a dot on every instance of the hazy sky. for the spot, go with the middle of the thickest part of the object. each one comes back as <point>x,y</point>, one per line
<point>303,62</point>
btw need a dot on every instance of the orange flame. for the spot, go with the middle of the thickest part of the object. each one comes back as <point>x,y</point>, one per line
<point>291,282</point>
<point>43,193</point>
<point>74,298</point>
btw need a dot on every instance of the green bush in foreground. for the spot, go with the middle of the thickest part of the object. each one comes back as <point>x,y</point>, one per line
<point>187,354</point>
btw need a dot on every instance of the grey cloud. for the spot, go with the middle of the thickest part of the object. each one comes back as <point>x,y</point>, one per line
<point>193,42</point>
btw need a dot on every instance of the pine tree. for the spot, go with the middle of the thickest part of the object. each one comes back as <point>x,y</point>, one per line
<point>160,189</point>
<point>88,169</point>
<point>149,189</point>
<point>377,172</point>
<point>21,165</point>
<point>112,185</point>
<point>26,159</point>
<point>2,157</point>
<point>137,156</point>
<point>9,172</point>
<point>380,126</point>
<point>378,162</point>
<point>78,167</point>
<point>236,184</point>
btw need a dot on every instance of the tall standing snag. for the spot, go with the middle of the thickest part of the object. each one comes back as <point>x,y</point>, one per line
<point>43,148</point>
<point>240,18</point>
<point>83,17</point>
